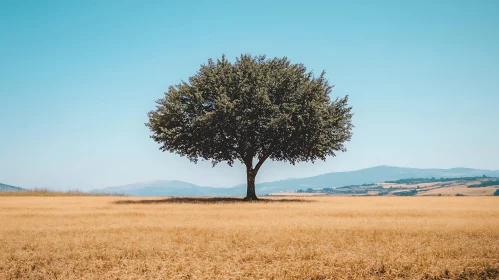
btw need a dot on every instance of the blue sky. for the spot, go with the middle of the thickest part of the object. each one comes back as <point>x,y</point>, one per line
<point>78,78</point>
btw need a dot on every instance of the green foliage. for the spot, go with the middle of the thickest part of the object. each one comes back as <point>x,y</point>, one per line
<point>353,189</point>
<point>413,181</point>
<point>496,193</point>
<point>407,193</point>
<point>345,190</point>
<point>252,108</point>
<point>485,184</point>
<point>459,194</point>
<point>356,186</point>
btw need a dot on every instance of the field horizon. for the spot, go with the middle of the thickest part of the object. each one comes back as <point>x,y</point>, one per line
<point>372,175</point>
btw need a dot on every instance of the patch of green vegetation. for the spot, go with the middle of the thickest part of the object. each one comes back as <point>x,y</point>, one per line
<point>485,184</point>
<point>352,189</point>
<point>496,193</point>
<point>406,193</point>
<point>356,186</point>
<point>309,190</point>
<point>345,191</point>
<point>375,189</point>
<point>414,181</point>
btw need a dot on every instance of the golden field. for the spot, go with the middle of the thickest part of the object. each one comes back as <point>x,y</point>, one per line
<point>325,238</point>
<point>453,190</point>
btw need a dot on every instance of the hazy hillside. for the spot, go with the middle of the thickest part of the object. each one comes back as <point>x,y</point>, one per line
<point>166,188</point>
<point>328,180</point>
<point>9,188</point>
<point>462,186</point>
<point>369,175</point>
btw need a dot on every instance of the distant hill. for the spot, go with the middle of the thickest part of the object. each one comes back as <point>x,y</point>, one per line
<point>9,188</point>
<point>167,188</point>
<point>461,186</point>
<point>369,175</point>
<point>328,180</point>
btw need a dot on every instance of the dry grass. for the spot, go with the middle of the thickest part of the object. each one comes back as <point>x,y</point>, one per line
<point>453,190</point>
<point>47,192</point>
<point>331,238</point>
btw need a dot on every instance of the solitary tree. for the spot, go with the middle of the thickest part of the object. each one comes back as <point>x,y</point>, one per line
<point>251,110</point>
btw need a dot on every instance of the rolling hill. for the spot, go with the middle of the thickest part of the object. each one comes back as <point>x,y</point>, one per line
<point>461,186</point>
<point>328,180</point>
<point>369,175</point>
<point>167,188</point>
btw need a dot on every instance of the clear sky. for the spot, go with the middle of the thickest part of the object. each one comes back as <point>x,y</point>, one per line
<point>77,79</point>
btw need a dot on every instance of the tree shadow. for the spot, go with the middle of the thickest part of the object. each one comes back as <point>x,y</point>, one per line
<point>206,200</point>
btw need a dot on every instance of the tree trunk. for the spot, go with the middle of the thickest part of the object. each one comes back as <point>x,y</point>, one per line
<point>250,180</point>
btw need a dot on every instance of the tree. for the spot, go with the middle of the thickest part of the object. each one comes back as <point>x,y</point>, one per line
<point>251,110</point>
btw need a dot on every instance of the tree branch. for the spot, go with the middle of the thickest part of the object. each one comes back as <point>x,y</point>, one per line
<point>260,162</point>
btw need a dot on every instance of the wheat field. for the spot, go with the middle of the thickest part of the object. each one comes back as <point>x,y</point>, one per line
<point>323,238</point>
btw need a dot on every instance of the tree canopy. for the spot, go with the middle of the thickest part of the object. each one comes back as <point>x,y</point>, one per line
<point>253,108</point>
